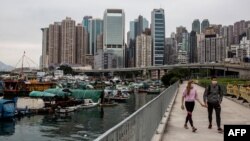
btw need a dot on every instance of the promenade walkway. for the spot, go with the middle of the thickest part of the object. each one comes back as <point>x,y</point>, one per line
<point>232,113</point>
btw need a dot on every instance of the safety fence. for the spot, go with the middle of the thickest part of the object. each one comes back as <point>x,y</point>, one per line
<point>142,124</point>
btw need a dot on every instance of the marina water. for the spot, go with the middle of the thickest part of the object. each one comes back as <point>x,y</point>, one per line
<point>83,125</point>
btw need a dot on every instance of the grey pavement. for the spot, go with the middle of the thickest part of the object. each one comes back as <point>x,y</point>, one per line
<point>232,113</point>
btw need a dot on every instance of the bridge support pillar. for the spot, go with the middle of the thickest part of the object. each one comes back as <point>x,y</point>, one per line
<point>244,74</point>
<point>133,76</point>
<point>158,74</point>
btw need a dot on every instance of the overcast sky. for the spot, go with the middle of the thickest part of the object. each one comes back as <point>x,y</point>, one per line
<point>21,20</point>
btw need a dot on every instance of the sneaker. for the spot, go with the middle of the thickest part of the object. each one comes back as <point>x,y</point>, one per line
<point>185,126</point>
<point>210,126</point>
<point>220,130</point>
<point>194,129</point>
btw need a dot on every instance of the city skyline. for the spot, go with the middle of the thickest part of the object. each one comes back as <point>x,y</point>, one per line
<point>21,21</point>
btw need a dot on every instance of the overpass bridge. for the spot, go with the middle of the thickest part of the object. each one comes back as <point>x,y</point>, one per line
<point>242,69</point>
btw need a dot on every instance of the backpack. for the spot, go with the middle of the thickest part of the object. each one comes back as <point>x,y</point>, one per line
<point>209,88</point>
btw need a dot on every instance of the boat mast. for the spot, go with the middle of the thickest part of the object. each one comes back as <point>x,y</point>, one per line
<point>22,63</point>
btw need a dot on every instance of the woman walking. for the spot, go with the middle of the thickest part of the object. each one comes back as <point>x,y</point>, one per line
<point>190,95</point>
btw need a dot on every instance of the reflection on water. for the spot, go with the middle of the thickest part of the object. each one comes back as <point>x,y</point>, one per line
<point>7,128</point>
<point>86,124</point>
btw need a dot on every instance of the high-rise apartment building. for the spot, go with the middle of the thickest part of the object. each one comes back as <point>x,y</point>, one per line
<point>143,50</point>
<point>230,38</point>
<point>213,47</point>
<point>55,41</point>
<point>68,41</point>
<point>113,38</point>
<point>80,48</point>
<point>45,48</point>
<point>158,36</point>
<point>248,33</point>
<point>239,29</point>
<point>196,26</point>
<point>205,24</point>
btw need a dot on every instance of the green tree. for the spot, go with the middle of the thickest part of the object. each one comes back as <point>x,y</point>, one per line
<point>174,75</point>
<point>66,69</point>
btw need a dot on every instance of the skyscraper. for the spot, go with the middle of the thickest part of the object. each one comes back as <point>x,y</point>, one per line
<point>98,58</point>
<point>132,30</point>
<point>85,22</point>
<point>113,38</point>
<point>205,24</point>
<point>185,42</point>
<point>95,29</point>
<point>141,24</point>
<point>45,48</point>
<point>179,33</point>
<point>196,26</point>
<point>55,35</point>
<point>192,52</point>
<point>171,50</point>
<point>230,35</point>
<point>136,28</point>
<point>158,36</point>
<point>68,41</point>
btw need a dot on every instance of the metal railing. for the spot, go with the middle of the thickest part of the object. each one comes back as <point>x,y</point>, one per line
<point>142,124</point>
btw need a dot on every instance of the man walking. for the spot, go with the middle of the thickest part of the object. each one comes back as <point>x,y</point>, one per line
<point>212,98</point>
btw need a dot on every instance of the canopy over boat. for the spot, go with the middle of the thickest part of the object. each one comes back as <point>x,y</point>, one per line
<point>59,92</point>
<point>41,94</point>
<point>86,94</point>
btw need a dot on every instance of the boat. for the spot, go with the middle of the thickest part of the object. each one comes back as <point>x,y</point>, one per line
<point>119,97</point>
<point>110,91</point>
<point>153,91</point>
<point>66,109</point>
<point>108,104</point>
<point>1,88</point>
<point>21,85</point>
<point>88,103</point>
<point>7,109</point>
<point>30,103</point>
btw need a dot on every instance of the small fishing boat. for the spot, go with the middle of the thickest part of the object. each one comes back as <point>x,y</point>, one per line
<point>7,109</point>
<point>88,103</point>
<point>108,104</point>
<point>66,109</point>
<point>119,97</point>
<point>154,91</point>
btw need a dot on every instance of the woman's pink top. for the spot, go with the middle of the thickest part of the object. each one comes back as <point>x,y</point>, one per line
<point>192,95</point>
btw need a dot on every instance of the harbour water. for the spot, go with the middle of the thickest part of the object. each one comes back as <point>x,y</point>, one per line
<point>83,125</point>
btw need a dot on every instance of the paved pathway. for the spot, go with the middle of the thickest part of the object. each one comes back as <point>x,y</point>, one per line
<point>232,113</point>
